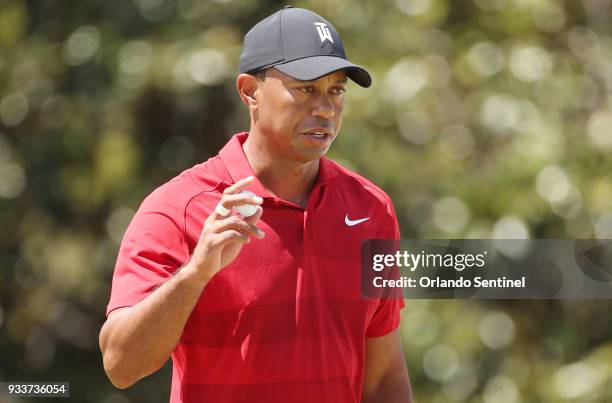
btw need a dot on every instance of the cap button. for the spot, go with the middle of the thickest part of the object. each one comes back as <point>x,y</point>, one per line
<point>286,7</point>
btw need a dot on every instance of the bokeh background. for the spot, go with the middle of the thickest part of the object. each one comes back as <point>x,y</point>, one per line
<point>486,118</point>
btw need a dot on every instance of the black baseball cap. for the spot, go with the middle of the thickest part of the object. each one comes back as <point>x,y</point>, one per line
<point>299,43</point>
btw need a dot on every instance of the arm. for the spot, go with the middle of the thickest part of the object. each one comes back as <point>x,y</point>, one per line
<point>386,376</point>
<point>138,340</point>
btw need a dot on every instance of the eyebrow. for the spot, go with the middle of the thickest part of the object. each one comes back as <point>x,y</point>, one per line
<point>343,80</point>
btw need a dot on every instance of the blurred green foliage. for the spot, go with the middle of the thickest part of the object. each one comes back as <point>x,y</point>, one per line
<point>486,118</point>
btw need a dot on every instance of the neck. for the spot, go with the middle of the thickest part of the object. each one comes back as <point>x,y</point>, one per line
<point>288,180</point>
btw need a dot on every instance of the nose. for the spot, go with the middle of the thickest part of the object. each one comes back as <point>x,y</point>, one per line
<point>323,107</point>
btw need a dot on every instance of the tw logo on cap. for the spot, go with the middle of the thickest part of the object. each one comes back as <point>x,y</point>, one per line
<point>323,32</point>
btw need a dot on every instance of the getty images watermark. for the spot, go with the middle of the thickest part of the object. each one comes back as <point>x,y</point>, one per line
<point>488,269</point>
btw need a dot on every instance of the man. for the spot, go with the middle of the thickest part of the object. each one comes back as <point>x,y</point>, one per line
<point>265,308</point>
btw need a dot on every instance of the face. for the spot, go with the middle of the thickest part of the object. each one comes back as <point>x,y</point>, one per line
<point>299,119</point>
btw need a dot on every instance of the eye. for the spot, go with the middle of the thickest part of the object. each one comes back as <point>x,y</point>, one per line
<point>339,90</point>
<point>307,89</point>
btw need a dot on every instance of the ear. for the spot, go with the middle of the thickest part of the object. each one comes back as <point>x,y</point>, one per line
<point>247,86</point>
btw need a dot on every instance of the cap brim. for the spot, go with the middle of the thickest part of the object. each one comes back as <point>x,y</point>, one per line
<point>312,68</point>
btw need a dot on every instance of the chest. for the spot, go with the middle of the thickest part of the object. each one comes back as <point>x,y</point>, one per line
<point>302,279</point>
<point>311,253</point>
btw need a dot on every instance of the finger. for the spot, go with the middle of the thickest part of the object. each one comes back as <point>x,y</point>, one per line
<point>239,186</point>
<point>255,217</point>
<point>236,223</point>
<point>230,199</point>
<point>231,236</point>
<point>220,211</point>
<point>233,200</point>
<point>228,202</point>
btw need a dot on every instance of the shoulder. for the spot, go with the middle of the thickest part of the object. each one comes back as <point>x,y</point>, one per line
<point>365,198</point>
<point>174,196</point>
<point>358,186</point>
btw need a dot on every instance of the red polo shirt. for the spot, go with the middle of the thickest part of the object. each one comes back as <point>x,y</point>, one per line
<point>284,322</point>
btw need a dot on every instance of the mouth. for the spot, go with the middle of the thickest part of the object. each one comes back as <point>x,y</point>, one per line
<point>319,134</point>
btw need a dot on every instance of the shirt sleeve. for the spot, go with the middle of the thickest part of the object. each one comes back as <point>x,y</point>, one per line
<point>153,248</point>
<point>386,318</point>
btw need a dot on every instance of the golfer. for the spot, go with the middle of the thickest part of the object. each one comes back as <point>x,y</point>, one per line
<point>265,308</point>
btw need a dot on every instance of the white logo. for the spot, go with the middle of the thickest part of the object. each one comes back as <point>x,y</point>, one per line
<point>350,223</point>
<point>323,32</point>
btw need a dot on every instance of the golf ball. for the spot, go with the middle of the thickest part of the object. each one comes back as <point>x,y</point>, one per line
<point>246,210</point>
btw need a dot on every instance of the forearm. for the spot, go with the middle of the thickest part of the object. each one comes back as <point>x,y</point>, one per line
<point>138,341</point>
<point>386,377</point>
<point>395,389</point>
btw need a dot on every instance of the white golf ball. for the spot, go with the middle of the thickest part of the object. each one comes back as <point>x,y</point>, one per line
<point>246,210</point>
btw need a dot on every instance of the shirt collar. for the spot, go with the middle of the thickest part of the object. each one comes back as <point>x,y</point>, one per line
<point>238,166</point>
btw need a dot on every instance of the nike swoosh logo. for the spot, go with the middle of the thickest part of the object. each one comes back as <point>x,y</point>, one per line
<point>351,223</point>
